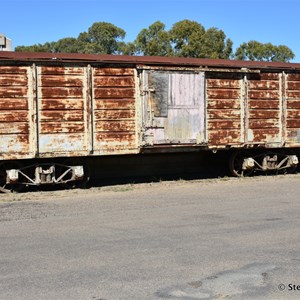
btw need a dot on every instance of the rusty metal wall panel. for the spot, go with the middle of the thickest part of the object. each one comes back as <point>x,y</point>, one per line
<point>62,110</point>
<point>224,94</point>
<point>293,109</point>
<point>264,109</point>
<point>114,111</point>
<point>71,109</point>
<point>16,112</point>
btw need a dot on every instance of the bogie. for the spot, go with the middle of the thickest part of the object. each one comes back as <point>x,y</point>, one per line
<point>245,163</point>
<point>14,175</point>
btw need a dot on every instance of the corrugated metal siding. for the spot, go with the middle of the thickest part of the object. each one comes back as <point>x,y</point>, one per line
<point>224,109</point>
<point>293,108</point>
<point>264,108</point>
<point>114,111</point>
<point>15,112</point>
<point>62,103</point>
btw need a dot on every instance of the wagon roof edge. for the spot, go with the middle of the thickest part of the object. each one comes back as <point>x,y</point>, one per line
<point>147,60</point>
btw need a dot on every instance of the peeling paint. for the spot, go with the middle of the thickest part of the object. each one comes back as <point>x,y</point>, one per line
<point>51,108</point>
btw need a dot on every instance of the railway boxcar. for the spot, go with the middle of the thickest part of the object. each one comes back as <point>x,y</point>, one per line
<point>58,109</point>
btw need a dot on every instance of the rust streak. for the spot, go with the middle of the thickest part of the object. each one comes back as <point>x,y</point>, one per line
<point>224,114</point>
<point>114,114</point>
<point>49,127</point>
<point>293,114</point>
<point>14,127</point>
<point>263,114</point>
<point>223,137</point>
<point>60,92</point>
<point>74,115</point>
<point>223,103</point>
<point>294,77</point>
<point>264,85</point>
<point>223,124</point>
<point>114,104</point>
<point>113,71</point>
<point>119,137</point>
<point>13,80</point>
<point>116,81</point>
<point>114,93</point>
<point>13,70</point>
<point>13,92</point>
<point>61,70</point>
<point>61,81</point>
<point>293,94</point>
<point>293,123</point>
<point>13,104</point>
<point>264,104</point>
<point>262,123</point>
<point>269,76</point>
<point>293,104</point>
<point>115,126</point>
<point>293,85</point>
<point>264,95</point>
<point>223,83</point>
<point>14,116</point>
<point>265,134</point>
<point>223,94</point>
<point>62,104</point>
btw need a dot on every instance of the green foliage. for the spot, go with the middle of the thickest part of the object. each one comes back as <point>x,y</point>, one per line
<point>190,39</point>
<point>215,44</point>
<point>283,53</point>
<point>66,45</point>
<point>47,47</point>
<point>101,38</point>
<point>127,48</point>
<point>84,44</point>
<point>186,38</point>
<point>153,41</point>
<point>254,50</point>
<point>105,38</point>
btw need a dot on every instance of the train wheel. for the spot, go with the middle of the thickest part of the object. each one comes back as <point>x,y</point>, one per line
<point>282,155</point>
<point>3,175</point>
<point>80,183</point>
<point>236,163</point>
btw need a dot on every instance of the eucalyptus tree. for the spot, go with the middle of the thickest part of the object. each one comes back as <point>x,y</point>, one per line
<point>101,37</point>
<point>254,50</point>
<point>191,39</point>
<point>154,40</point>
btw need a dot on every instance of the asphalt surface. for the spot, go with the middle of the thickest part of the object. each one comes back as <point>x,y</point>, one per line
<point>203,239</point>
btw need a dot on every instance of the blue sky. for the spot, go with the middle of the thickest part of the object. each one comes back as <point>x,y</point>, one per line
<point>29,22</point>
